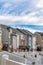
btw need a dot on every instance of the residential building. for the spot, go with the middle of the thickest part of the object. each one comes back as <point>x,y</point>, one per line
<point>4,36</point>
<point>25,39</point>
<point>39,39</point>
<point>14,38</point>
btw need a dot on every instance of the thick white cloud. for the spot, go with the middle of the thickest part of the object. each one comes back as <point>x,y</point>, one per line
<point>33,31</point>
<point>40,4</point>
<point>35,8</point>
<point>30,18</point>
<point>27,19</point>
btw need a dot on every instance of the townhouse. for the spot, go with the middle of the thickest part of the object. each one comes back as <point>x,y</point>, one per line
<point>4,36</point>
<point>39,39</point>
<point>14,39</point>
<point>24,39</point>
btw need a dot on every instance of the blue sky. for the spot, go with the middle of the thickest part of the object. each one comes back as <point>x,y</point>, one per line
<point>22,13</point>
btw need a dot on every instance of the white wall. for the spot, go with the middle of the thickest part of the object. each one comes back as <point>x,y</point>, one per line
<point>17,41</point>
<point>14,42</point>
<point>34,42</point>
<point>30,41</point>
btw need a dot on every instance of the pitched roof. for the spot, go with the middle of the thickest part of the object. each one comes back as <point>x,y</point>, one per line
<point>24,31</point>
<point>41,33</point>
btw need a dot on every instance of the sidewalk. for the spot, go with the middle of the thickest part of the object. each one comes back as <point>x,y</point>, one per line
<point>16,58</point>
<point>9,57</point>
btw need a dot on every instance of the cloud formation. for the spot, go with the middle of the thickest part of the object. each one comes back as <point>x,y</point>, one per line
<point>27,19</point>
<point>19,12</point>
<point>40,4</point>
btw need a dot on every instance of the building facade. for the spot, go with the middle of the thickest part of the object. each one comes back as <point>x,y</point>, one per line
<point>39,39</point>
<point>25,39</point>
<point>14,38</point>
<point>5,36</point>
